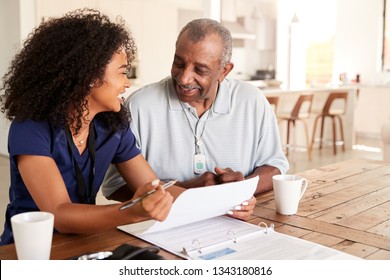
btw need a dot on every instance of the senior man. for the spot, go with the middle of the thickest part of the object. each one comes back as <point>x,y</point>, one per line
<point>198,127</point>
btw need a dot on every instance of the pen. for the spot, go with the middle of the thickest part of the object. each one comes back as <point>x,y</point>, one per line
<point>132,202</point>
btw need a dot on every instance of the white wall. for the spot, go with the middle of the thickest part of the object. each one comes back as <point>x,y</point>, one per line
<point>154,24</point>
<point>12,31</point>
<point>17,19</point>
<point>358,38</point>
<point>358,42</point>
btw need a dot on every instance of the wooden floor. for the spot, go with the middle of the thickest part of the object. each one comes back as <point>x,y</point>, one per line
<point>366,148</point>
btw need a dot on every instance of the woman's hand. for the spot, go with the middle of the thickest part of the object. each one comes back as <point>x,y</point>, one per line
<point>156,205</point>
<point>245,210</point>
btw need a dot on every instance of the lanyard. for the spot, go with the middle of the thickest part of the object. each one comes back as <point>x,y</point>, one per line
<point>88,195</point>
<point>198,139</point>
<point>199,159</point>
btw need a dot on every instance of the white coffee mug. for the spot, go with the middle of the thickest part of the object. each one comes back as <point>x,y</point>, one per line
<point>33,234</point>
<point>288,191</point>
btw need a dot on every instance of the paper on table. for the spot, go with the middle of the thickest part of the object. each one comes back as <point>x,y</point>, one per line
<point>189,207</point>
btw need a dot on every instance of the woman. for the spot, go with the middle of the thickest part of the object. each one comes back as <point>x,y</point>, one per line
<point>62,93</point>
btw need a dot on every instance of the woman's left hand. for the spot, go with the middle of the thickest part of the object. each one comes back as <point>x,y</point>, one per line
<point>245,210</point>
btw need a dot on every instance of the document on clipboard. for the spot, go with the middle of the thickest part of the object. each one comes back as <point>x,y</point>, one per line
<point>197,228</point>
<point>199,204</point>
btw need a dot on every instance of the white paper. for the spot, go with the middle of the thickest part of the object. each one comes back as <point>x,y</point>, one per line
<point>199,204</point>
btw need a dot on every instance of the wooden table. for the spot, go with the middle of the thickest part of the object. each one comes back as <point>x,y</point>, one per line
<point>346,207</point>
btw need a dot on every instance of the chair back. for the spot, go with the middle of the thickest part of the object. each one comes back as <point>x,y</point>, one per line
<point>273,101</point>
<point>333,97</point>
<point>302,107</point>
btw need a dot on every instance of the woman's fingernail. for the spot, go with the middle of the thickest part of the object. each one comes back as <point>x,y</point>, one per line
<point>237,207</point>
<point>229,212</point>
<point>245,203</point>
<point>155,182</point>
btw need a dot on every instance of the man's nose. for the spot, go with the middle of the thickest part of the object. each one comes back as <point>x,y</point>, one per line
<point>185,76</point>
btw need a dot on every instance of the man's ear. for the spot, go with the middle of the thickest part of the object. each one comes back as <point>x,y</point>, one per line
<point>225,71</point>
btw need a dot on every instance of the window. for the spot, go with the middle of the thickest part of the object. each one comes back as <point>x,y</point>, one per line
<point>319,62</point>
<point>386,37</point>
<point>317,21</point>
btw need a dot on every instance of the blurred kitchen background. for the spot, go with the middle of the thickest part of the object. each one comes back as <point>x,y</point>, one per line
<point>284,47</point>
<point>286,44</point>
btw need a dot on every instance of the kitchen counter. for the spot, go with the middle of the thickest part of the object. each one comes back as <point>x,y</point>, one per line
<point>372,110</point>
<point>314,90</point>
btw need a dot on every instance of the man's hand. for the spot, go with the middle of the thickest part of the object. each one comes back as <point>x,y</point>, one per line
<point>206,179</point>
<point>221,176</point>
<point>227,175</point>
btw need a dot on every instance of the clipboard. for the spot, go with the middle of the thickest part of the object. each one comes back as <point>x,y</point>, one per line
<point>226,238</point>
<point>212,235</point>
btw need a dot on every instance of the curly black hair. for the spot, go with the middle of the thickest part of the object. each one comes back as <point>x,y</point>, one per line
<point>52,73</point>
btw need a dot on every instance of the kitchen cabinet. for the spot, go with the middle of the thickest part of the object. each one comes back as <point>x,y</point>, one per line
<point>372,110</point>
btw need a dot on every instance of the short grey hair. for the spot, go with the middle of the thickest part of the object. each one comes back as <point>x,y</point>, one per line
<point>198,29</point>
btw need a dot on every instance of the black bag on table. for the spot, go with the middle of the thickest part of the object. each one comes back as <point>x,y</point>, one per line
<point>124,252</point>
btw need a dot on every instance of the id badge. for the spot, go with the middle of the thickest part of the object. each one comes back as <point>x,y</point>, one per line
<point>199,164</point>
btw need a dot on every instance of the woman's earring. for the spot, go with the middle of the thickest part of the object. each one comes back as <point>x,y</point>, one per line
<point>91,85</point>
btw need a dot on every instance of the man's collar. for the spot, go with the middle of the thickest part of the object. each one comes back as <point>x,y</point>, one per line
<point>221,103</point>
<point>174,102</point>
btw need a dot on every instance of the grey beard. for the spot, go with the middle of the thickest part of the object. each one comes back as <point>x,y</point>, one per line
<point>187,87</point>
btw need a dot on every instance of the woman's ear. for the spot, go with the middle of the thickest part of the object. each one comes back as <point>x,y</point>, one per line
<point>96,83</point>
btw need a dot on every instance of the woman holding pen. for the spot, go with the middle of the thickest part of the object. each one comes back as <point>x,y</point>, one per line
<point>63,95</point>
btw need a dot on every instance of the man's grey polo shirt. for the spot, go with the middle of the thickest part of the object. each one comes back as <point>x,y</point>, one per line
<point>241,132</point>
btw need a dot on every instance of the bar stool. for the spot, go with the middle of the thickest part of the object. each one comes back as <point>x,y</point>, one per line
<point>273,101</point>
<point>332,113</point>
<point>300,112</point>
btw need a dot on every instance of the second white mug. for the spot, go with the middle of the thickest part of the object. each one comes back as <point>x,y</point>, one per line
<point>288,191</point>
